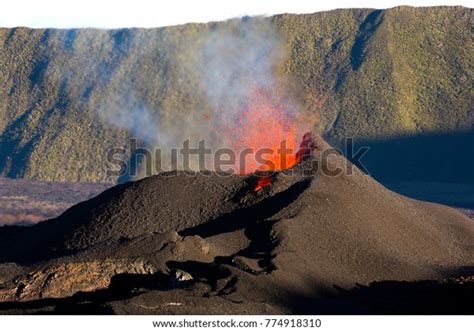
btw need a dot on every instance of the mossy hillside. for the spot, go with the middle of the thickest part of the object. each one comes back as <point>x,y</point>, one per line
<point>362,73</point>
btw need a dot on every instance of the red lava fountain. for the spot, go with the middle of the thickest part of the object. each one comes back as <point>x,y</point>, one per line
<point>264,135</point>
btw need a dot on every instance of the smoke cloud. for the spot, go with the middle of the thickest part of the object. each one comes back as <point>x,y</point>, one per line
<point>127,112</point>
<point>242,98</point>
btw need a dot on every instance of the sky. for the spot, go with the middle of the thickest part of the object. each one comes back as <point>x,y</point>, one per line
<point>148,13</point>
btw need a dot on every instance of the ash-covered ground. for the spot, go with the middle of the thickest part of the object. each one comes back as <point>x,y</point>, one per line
<point>27,202</point>
<point>210,244</point>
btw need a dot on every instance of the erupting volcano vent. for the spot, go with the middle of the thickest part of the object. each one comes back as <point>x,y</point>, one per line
<point>254,106</point>
<point>237,251</point>
<point>264,135</point>
<point>307,147</point>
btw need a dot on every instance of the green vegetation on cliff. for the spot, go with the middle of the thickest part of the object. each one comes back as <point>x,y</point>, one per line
<point>372,74</point>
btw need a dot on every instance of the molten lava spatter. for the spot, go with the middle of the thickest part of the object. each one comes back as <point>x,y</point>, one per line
<point>263,182</point>
<point>307,147</point>
<point>264,135</point>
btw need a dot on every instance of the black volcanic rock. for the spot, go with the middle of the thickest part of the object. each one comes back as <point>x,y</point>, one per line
<point>306,235</point>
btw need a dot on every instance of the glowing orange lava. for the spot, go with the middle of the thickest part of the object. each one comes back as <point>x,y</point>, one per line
<point>262,182</point>
<point>264,135</point>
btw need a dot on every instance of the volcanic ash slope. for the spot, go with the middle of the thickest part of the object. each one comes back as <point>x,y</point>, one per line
<point>209,243</point>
